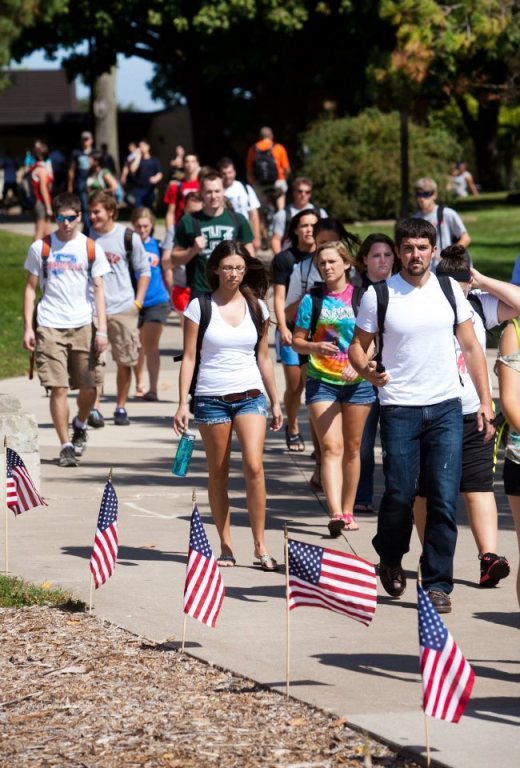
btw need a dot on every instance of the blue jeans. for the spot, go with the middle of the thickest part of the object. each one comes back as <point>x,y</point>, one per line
<point>427,439</point>
<point>365,489</point>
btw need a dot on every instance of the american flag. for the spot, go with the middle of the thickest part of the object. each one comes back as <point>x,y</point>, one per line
<point>325,578</point>
<point>204,587</point>
<point>21,491</point>
<point>447,678</point>
<point>104,552</point>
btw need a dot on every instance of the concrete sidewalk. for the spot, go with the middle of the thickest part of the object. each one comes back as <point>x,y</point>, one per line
<point>370,675</point>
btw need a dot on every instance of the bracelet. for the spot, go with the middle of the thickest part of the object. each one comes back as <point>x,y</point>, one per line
<point>137,304</point>
<point>103,335</point>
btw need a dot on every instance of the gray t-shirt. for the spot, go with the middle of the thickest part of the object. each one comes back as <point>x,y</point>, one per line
<point>119,292</point>
<point>280,217</point>
<point>450,230</point>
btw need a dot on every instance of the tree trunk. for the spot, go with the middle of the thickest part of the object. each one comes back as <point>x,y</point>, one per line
<point>484,131</point>
<point>105,113</point>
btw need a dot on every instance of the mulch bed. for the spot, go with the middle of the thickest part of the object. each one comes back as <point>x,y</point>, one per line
<point>78,691</point>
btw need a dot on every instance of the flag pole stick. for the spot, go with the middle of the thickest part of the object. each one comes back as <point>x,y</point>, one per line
<point>193,502</point>
<point>426,728</point>
<point>183,633</point>
<point>4,486</point>
<point>288,649</point>
<point>91,593</point>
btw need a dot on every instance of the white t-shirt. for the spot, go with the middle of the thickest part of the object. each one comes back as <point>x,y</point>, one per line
<point>227,355</point>
<point>242,197</point>
<point>305,275</point>
<point>66,301</point>
<point>470,398</point>
<point>119,292</point>
<point>418,342</point>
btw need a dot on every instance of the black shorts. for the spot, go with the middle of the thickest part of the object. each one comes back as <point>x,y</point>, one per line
<point>158,313</point>
<point>511,478</point>
<point>477,461</point>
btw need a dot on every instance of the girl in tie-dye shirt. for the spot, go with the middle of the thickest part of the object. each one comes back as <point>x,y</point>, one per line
<point>339,400</point>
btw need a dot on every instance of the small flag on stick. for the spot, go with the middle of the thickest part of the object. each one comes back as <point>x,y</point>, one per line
<point>204,586</point>
<point>447,678</point>
<point>104,552</point>
<point>21,491</point>
<point>325,578</point>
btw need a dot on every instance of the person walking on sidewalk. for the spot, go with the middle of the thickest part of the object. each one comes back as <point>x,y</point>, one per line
<point>235,369</point>
<point>66,344</point>
<point>339,400</point>
<point>126,256</point>
<point>493,302</point>
<point>421,413</point>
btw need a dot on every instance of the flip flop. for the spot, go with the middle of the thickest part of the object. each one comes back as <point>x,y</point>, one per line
<point>266,562</point>
<point>363,509</point>
<point>350,523</point>
<point>295,443</point>
<point>150,397</point>
<point>336,526</point>
<point>226,560</point>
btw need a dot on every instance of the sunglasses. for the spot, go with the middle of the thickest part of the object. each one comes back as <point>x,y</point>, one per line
<point>427,194</point>
<point>60,218</point>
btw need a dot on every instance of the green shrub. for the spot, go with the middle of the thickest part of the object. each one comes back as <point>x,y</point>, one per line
<point>354,162</point>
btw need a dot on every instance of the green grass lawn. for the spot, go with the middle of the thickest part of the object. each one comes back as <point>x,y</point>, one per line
<point>16,592</point>
<point>14,361</point>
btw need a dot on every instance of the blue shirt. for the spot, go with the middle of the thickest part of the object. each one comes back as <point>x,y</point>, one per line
<point>156,292</point>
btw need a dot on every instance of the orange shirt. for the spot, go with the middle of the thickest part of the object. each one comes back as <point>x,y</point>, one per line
<point>279,154</point>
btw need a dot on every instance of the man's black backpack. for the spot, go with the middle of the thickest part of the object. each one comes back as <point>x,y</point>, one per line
<point>264,166</point>
<point>205,319</point>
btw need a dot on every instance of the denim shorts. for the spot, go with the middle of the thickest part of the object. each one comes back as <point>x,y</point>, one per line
<point>213,410</point>
<point>354,394</point>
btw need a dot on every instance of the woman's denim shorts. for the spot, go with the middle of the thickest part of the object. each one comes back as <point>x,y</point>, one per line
<point>213,410</point>
<point>354,394</point>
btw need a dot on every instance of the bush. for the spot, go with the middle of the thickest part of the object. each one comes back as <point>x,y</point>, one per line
<point>354,162</point>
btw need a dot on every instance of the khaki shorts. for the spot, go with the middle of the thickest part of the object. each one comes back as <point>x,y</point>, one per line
<point>124,336</point>
<point>65,357</point>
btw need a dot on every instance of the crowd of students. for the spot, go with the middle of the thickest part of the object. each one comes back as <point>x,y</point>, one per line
<point>372,331</point>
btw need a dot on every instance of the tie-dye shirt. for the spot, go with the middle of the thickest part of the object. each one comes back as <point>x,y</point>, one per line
<point>336,324</point>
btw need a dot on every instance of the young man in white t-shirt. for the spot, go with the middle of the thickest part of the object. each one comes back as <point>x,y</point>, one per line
<point>66,344</point>
<point>242,197</point>
<point>421,413</point>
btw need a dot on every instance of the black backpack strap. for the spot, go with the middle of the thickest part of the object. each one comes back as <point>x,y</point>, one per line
<point>205,318</point>
<point>357,295</point>
<point>305,283</point>
<point>316,294</point>
<point>447,289</point>
<point>476,304</point>
<point>382,295</point>
<point>127,244</point>
<point>440,220</point>
<point>46,252</point>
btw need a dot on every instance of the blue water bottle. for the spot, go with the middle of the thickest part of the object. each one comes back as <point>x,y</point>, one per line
<point>183,455</point>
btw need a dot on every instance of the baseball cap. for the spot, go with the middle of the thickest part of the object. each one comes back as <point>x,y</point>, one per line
<point>86,135</point>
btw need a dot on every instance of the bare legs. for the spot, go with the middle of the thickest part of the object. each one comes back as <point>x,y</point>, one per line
<point>514,503</point>
<point>60,409</point>
<point>292,396</point>
<point>250,430</point>
<point>482,515</point>
<point>339,429</point>
<point>150,334</point>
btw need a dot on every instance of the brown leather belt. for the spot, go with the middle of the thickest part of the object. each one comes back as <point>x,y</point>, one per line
<point>236,397</point>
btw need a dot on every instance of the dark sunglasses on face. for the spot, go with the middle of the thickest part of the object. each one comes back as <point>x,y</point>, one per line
<point>426,194</point>
<point>60,218</point>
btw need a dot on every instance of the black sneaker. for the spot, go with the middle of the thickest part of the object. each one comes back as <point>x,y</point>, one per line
<point>393,579</point>
<point>67,457</point>
<point>441,601</point>
<point>121,417</point>
<point>492,569</point>
<point>95,419</point>
<point>79,438</point>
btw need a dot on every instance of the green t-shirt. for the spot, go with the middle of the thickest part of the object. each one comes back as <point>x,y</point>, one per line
<point>227,226</point>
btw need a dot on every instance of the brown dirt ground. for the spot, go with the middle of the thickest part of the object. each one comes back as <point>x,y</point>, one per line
<point>80,692</point>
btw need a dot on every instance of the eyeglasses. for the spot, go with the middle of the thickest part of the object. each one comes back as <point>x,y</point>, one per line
<point>426,194</point>
<point>303,191</point>
<point>228,269</point>
<point>60,218</point>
